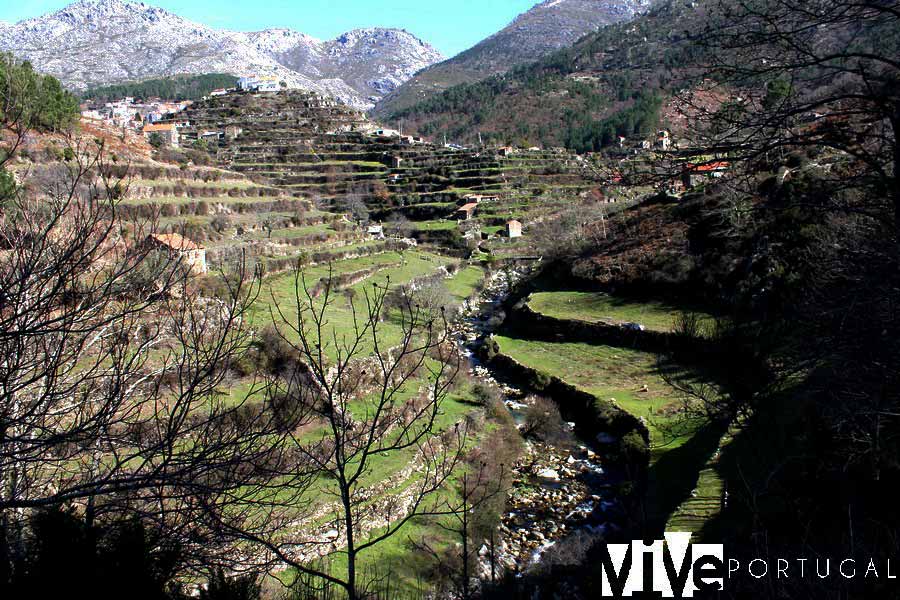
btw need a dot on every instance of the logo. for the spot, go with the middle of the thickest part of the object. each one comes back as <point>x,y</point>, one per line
<point>668,568</point>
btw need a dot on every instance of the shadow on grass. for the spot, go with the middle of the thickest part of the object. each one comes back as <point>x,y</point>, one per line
<point>675,474</point>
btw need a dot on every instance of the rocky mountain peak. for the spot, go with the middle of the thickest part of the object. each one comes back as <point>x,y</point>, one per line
<point>98,42</point>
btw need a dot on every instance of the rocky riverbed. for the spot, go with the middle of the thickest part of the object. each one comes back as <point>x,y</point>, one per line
<point>558,491</point>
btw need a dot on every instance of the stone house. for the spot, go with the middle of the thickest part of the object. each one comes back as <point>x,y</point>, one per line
<point>695,174</point>
<point>168,132</point>
<point>513,229</point>
<point>376,231</point>
<point>466,211</point>
<point>189,253</point>
<point>477,198</point>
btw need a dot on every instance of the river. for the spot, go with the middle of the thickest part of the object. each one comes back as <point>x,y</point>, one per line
<point>561,498</point>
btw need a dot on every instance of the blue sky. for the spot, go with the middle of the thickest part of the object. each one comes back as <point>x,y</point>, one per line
<point>449,25</point>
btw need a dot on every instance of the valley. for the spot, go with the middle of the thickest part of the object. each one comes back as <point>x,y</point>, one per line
<point>297,180</point>
<point>292,319</point>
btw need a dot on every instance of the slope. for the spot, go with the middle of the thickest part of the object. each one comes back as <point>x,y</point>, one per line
<point>548,26</point>
<point>565,98</point>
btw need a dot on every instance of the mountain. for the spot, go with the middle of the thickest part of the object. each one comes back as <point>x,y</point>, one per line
<point>610,82</point>
<point>99,42</point>
<point>548,26</point>
<point>374,61</point>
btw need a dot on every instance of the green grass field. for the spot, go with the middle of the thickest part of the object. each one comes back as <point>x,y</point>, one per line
<point>679,450</point>
<point>465,282</point>
<point>391,268</point>
<point>598,307</point>
<point>436,225</point>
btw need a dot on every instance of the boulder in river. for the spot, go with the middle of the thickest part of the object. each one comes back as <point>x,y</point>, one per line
<point>548,474</point>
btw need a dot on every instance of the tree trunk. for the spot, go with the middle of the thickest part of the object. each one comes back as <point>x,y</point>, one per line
<point>351,543</point>
<point>465,540</point>
<point>895,179</point>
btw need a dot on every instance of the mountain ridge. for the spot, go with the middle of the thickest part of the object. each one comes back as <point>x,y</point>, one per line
<point>99,42</point>
<point>610,82</point>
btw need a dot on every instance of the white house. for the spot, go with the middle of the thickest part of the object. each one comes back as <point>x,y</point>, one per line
<point>256,83</point>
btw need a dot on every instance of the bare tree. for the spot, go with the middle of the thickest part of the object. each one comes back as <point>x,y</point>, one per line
<point>810,74</point>
<point>398,226</point>
<point>267,223</point>
<point>356,208</point>
<point>113,368</point>
<point>367,393</point>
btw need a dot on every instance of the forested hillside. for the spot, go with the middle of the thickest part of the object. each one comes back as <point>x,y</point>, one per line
<point>609,83</point>
<point>547,27</point>
<point>34,100</point>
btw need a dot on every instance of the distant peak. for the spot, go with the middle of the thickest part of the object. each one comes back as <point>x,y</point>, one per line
<point>100,42</point>
<point>389,34</point>
<point>89,8</point>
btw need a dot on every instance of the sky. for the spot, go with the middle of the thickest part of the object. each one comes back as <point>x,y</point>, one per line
<point>451,26</point>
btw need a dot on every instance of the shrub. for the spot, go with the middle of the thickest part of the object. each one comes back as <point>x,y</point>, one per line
<point>220,222</point>
<point>7,185</point>
<point>276,354</point>
<point>539,380</point>
<point>241,587</point>
<point>489,349</point>
<point>543,422</point>
<point>633,448</point>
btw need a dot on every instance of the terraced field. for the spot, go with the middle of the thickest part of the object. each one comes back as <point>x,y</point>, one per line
<point>684,487</point>
<point>597,307</point>
<point>292,171</point>
<point>306,148</point>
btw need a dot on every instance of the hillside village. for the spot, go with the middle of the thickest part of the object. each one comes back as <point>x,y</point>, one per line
<point>321,155</point>
<point>259,344</point>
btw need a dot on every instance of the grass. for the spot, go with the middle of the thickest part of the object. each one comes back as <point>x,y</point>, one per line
<point>406,562</point>
<point>436,225</point>
<point>608,372</point>
<point>391,268</point>
<point>190,182</point>
<point>680,452</point>
<point>226,200</point>
<point>598,307</point>
<point>465,282</point>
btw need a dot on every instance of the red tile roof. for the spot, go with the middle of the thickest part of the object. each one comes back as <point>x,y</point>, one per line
<point>706,168</point>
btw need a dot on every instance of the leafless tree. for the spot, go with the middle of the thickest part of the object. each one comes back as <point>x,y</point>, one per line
<point>266,223</point>
<point>807,74</point>
<point>113,369</point>
<point>356,207</point>
<point>458,563</point>
<point>365,394</point>
<point>398,226</point>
